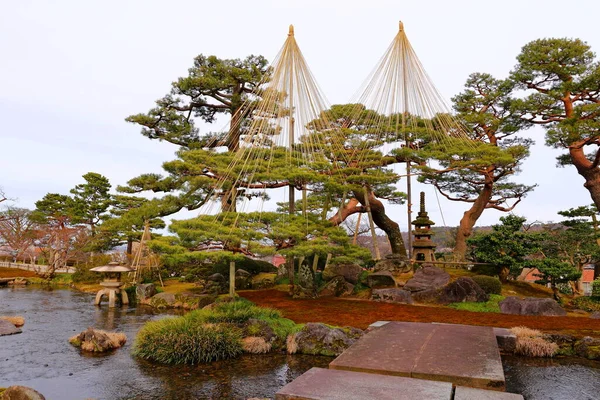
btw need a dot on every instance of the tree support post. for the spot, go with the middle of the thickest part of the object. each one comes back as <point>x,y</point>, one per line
<point>372,224</point>
<point>232,279</point>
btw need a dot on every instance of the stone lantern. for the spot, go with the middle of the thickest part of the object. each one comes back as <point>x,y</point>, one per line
<point>423,246</point>
<point>112,283</point>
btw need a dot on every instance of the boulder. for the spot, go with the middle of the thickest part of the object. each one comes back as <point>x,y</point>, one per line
<point>461,290</point>
<point>588,347</point>
<point>380,279</point>
<point>98,341</point>
<point>21,393</point>
<point>144,291</point>
<point>263,280</point>
<point>192,301</point>
<point>393,263</point>
<point>162,300</point>
<point>595,315</point>
<point>531,306</point>
<point>216,278</point>
<point>427,278</point>
<point>336,287</point>
<point>243,279</point>
<point>427,296</point>
<point>350,272</point>
<point>392,295</point>
<point>8,328</point>
<point>565,343</point>
<point>320,339</point>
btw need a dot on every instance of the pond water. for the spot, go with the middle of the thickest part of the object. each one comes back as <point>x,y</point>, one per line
<point>42,358</point>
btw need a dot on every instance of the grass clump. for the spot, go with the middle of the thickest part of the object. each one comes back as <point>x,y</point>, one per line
<point>490,306</point>
<point>224,330</point>
<point>531,343</point>
<point>489,284</point>
<point>183,341</point>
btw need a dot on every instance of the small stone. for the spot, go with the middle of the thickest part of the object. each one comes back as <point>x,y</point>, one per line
<point>392,295</point>
<point>381,279</point>
<point>8,328</point>
<point>595,315</point>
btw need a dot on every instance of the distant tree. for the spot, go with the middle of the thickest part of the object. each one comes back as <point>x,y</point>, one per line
<point>561,80</point>
<point>554,272</point>
<point>129,215</point>
<point>477,171</point>
<point>91,201</point>
<point>17,230</point>
<point>60,238</point>
<point>573,241</point>
<point>506,247</point>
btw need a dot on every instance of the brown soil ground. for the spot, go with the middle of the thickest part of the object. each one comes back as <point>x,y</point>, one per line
<point>15,272</point>
<point>362,313</point>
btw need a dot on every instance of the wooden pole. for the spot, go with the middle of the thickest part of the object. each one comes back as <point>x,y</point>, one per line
<point>372,224</point>
<point>329,255</point>
<point>232,279</point>
<point>291,263</point>
<point>356,230</point>
<point>315,262</point>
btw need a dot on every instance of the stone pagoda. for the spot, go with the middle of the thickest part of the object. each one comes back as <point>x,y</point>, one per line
<point>423,246</point>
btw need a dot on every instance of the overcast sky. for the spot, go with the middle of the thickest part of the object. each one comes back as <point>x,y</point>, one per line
<point>71,71</point>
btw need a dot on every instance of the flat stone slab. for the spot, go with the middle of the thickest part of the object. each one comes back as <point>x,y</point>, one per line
<point>7,328</point>
<point>329,384</point>
<point>461,354</point>
<point>466,393</point>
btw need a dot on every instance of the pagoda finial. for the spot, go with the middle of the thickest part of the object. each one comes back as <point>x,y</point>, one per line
<point>401,26</point>
<point>291,32</point>
<point>422,202</point>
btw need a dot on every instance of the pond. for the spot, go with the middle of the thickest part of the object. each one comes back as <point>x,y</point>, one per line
<point>42,358</point>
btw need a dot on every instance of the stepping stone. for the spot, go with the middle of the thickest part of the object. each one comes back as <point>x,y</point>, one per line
<point>466,393</point>
<point>328,384</point>
<point>7,328</point>
<point>461,354</point>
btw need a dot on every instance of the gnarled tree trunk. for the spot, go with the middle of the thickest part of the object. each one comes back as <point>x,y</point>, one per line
<point>588,170</point>
<point>469,219</point>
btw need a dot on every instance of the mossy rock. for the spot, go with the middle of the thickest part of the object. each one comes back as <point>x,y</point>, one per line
<point>588,347</point>
<point>264,280</point>
<point>321,339</point>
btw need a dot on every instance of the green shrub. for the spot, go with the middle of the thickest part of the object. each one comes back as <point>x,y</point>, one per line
<point>596,287</point>
<point>487,270</point>
<point>489,306</point>
<point>587,303</point>
<point>489,284</point>
<point>182,341</point>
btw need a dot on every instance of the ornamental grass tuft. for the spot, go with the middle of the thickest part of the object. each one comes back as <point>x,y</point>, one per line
<point>531,343</point>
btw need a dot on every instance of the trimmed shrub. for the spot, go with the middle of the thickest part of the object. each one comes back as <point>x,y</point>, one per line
<point>587,303</point>
<point>182,341</point>
<point>489,284</point>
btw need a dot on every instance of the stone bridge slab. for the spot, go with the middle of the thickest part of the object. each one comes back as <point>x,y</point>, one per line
<point>463,355</point>
<point>328,384</point>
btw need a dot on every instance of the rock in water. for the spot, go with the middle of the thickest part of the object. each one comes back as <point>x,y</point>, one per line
<point>21,393</point>
<point>320,339</point>
<point>462,289</point>
<point>98,341</point>
<point>531,306</point>
<point>588,347</point>
<point>350,272</point>
<point>8,328</point>
<point>392,295</point>
<point>427,278</point>
<point>381,279</point>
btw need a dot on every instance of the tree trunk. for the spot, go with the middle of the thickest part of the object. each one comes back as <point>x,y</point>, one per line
<point>129,245</point>
<point>503,275</point>
<point>588,171</point>
<point>383,222</point>
<point>469,219</point>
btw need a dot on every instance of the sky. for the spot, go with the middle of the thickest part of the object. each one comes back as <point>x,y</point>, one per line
<point>72,71</point>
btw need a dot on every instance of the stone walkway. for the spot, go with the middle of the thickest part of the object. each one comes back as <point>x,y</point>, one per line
<point>404,360</point>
